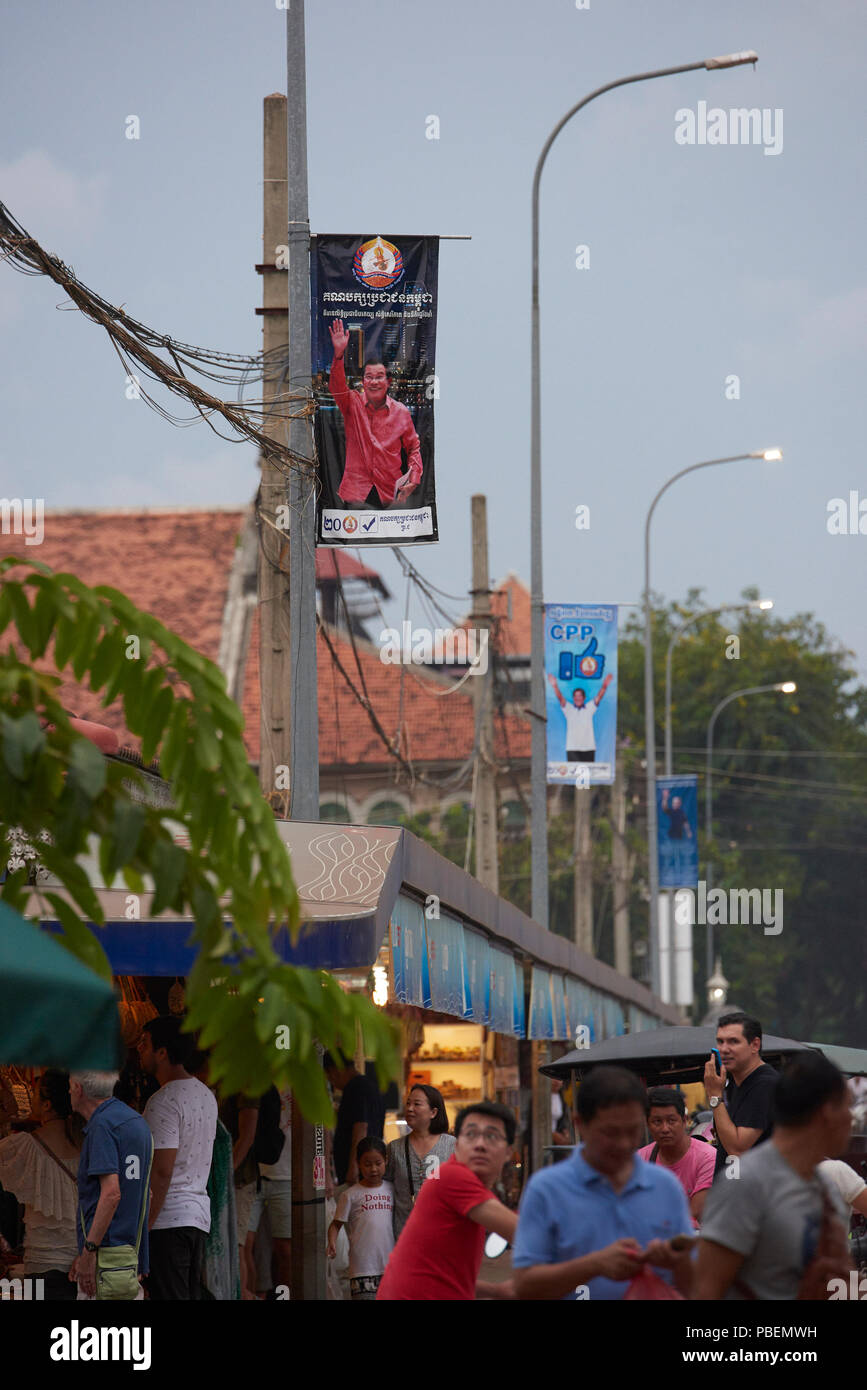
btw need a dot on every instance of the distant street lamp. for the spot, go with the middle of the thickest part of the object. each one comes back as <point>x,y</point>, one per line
<point>769,455</point>
<point>782,687</point>
<point>763,604</point>
<point>539,755</point>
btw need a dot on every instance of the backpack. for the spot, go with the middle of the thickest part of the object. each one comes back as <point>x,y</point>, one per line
<point>269,1140</point>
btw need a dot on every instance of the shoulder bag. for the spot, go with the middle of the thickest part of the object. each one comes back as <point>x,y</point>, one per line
<point>117,1265</point>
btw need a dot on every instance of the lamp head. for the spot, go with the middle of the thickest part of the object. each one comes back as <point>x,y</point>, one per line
<point>765,604</point>
<point>732,60</point>
<point>787,687</point>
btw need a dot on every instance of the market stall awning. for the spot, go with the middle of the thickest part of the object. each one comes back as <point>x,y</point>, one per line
<point>54,1011</point>
<point>360,886</point>
<point>852,1061</point>
<point>663,1056</point>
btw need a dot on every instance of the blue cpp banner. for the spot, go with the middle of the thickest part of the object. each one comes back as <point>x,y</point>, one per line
<point>581,710</point>
<point>677,830</point>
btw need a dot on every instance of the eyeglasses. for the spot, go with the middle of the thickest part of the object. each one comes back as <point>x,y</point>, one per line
<point>490,1136</point>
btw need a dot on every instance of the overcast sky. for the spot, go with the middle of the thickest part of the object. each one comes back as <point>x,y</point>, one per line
<point>706,262</point>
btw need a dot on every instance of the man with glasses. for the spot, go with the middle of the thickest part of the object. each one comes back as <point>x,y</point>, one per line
<point>439,1253</point>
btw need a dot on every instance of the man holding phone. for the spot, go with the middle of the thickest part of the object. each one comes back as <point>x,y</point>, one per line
<point>740,1088</point>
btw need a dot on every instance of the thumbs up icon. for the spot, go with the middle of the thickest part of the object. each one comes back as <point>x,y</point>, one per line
<point>590,665</point>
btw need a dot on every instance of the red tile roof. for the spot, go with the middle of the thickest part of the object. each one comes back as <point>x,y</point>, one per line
<point>510,605</point>
<point>175,564</point>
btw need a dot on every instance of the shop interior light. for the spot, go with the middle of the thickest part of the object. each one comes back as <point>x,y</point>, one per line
<point>380,985</point>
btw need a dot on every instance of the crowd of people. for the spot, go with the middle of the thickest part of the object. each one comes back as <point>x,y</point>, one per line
<point>168,1201</point>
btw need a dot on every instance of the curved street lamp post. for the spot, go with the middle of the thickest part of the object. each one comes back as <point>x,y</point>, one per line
<point>539,823</point>
<point>769,455</point>
<point>782,687</point>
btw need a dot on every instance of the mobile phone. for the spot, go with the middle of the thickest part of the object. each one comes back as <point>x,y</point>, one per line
<point>717,1060</point>
<point>565,666</point>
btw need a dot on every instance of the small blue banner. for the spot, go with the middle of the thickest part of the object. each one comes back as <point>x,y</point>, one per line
<point>677,830</point>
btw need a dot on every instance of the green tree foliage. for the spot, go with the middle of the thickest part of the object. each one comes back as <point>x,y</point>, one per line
<point>234,880</point>
<point>789,787</point>
<point>789,811</point>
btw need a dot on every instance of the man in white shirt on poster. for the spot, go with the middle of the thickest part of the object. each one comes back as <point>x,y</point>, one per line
<point>182,1117</point>
<point>579,716</point>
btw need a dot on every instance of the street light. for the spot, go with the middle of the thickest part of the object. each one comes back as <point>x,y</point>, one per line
<point>539,821</point>
<point>764,605</point>
<point>649,711</point>
<point>782,687</point>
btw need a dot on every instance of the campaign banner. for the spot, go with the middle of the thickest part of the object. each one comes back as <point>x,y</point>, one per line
<point>373,304</point>
<point>581,692</point>
<point>677,830</point>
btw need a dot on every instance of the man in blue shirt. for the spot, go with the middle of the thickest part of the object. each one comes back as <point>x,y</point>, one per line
<point>593,1222</point>
<point>112,1175</point>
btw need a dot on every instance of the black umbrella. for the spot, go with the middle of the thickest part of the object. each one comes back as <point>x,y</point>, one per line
<point>662,1056</point>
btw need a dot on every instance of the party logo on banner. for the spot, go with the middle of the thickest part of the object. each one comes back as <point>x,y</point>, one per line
<point>377,264</point>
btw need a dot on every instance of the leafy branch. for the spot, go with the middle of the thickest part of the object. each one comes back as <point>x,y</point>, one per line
<point>261,1017</point>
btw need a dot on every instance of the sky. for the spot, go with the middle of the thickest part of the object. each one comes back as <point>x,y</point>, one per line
<point>707,262</point>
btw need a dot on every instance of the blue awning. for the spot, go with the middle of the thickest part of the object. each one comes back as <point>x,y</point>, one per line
<point>164,947</point>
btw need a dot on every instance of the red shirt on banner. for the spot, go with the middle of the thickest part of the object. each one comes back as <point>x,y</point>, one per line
<point>373,442</point>
<point>439,1253</point>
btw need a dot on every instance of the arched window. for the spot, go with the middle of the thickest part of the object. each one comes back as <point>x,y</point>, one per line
<point>513,818</point>
<point>386,813</point>
<point>333,811</point>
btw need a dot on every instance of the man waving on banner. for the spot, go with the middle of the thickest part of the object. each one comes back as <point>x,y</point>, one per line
<point>377,429</point>
<point>579,716</point>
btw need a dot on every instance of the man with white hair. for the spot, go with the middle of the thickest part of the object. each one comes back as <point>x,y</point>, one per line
<point>113,1173</point>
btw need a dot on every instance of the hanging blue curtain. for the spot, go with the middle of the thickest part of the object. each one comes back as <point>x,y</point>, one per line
<point>502,1000</point>
<point>408,953</point>
<point>447,966</point>
<point>558,1006</point>
<point>541,1010</point>
<point>478,955</point>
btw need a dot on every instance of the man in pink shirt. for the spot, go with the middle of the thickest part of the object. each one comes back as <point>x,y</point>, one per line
<point>377,428</point>
<point>690,1160</point>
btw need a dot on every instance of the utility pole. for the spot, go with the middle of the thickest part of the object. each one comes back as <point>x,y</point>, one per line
<point>273,577</point>
<point>301,696</point>
<point>582,902</point>
<point>485,780</point>
<point>621,874</point>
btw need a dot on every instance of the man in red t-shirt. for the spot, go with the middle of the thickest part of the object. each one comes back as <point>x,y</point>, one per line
<point>440,1249</point>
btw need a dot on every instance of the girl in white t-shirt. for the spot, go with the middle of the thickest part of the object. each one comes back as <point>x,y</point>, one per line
<point>366,1210</point>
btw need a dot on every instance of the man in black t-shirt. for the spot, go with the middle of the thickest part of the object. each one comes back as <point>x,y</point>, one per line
<point>742,1095</point>
<point>360,1114</point>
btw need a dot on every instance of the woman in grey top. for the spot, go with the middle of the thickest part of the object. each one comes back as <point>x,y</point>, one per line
<point>418,1155</point>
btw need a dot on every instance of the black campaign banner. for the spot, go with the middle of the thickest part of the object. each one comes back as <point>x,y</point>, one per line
<point>373,303</point>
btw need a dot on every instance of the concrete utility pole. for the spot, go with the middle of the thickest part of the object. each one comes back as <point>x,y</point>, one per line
<point>621,870</point>
<point>303,697</point>
<point>485,781</point>
<point>273,578</point>
<point>308,1141</point>
<point>582,905</point>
